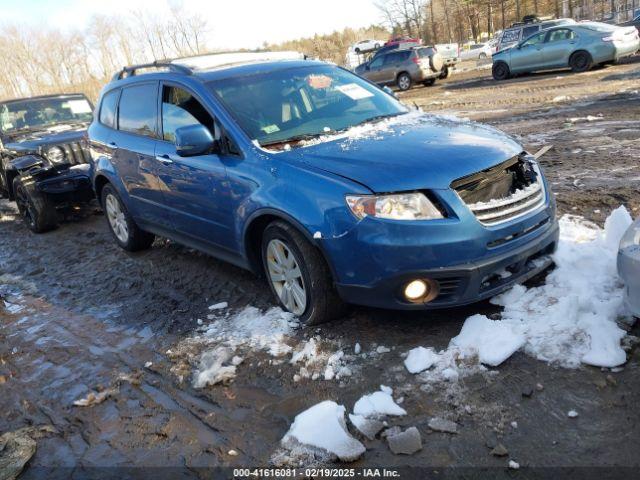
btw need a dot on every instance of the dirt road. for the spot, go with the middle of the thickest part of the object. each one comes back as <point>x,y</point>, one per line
<point>80,315</point>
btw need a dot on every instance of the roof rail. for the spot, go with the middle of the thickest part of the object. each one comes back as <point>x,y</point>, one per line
<point>131,69</point>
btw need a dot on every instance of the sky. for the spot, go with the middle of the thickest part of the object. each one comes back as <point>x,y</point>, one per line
<point>234,23</point>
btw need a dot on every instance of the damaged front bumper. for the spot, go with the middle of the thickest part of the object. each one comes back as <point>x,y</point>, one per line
<point>73,184</point>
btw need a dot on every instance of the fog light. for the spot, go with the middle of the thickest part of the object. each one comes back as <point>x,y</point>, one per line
<point>415,290</point>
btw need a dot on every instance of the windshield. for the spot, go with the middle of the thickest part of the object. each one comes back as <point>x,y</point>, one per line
<point>297,103</point>
<point>43,112</point>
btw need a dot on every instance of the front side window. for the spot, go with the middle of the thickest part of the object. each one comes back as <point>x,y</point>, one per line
<point>181,109</point>
<point>108,108</point>
<point>138,109</point>
<point>378,61</point>
<point>301,102</point>
<point>535,40</point>
<point>42,113</point>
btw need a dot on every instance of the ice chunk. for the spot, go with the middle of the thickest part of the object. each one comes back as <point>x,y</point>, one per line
<point>219,306</point>
<point>494,340</point>
<point>212,369</point>
<point>420,359</point>
<point>615,227</point>
<point>377,404</point>
<point>406,443</point>
<point>369,427</point>
<point>323,426</point>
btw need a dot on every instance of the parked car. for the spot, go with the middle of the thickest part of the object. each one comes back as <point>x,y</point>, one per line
<point>478,51</point>
<point>403,68</point>
<point>629,267</point>
<point>402,39</point>
<point>450,53</point>
<point>43,158</point>
<point>579,47</point>
<point>520,31</point>
<point>632,23</point>
<point>283,168</point>
<point>364,46</point>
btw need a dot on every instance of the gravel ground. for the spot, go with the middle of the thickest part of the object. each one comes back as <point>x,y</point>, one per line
<point>87,316</point>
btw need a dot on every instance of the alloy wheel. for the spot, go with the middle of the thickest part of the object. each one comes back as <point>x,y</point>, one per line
<point>404,82</point>
<point>116,218</point>
<point>286,277</point>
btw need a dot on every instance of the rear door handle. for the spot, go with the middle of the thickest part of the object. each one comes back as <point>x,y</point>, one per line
<point>164,159</point>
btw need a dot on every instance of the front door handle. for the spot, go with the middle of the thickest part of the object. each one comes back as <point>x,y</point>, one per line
<point>164,159</point>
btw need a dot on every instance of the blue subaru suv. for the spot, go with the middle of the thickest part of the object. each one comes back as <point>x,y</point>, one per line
<point>319,180</point>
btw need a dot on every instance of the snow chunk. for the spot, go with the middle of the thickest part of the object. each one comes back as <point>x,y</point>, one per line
<point>377,404</point>
<point>368,427</point>
<point>219,306</point>
<point>420,359</point>
<point>572,414</point>
<point>323,426</point>
<point>495,341</point>
<point>212,370</point>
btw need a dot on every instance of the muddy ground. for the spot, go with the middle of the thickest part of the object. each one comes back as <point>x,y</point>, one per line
<point>85,316</point>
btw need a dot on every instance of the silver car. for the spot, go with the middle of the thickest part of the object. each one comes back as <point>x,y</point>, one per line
<point>579,47</point>
<point>629,267</point>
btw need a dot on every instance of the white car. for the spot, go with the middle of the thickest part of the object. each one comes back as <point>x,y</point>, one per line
<point>364,46</point>
<point>476,52</point>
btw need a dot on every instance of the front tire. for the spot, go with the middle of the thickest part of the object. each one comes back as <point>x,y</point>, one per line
<point>580,61</point>
<point>404,81</point>
<point>37,211</point>
<point>123,228</point>
<point>500,71</point>
<point>298,275</point>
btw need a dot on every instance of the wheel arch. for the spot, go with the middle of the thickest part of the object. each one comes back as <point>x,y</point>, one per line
<point>254,230</point>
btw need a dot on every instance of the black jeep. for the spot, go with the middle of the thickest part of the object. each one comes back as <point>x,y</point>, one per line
<point>44,156</point>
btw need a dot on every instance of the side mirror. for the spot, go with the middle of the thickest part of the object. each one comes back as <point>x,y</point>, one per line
<point>193,140</point>
<point>388,91</point>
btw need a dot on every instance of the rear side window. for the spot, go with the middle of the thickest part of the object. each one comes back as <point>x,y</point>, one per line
<point>559,35</point>
<point>108,108</point>
<point>138,109</point>
<point>510,36</point>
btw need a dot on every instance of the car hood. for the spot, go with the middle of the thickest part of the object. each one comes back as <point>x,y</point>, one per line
<point>411,152</point>
<point>32,140</point>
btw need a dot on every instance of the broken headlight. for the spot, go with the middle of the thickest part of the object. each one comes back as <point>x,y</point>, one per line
<point>401,206</point>
<point>55,155</point>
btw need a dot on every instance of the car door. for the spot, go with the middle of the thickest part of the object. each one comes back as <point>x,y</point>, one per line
<point>374,73</point>
<point>195,189</point>
<point>134,147</point>
<point>391,66</point>
<point>559,45</point>
<point>528,55</point>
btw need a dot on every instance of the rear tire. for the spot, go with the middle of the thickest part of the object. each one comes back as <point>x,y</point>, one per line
<point>580,61</point>
<point>500,71</point>
<point>482,56</point>
<point>123,228</point>
<point>404,81</point>
<point>37,211</point>
<point>298,275</point>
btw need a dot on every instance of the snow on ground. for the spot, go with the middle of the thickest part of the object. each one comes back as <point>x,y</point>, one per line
<point>210,355</point>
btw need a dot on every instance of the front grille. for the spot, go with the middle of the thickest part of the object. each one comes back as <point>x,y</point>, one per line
<point>503,192</point>
<point>77,153</point>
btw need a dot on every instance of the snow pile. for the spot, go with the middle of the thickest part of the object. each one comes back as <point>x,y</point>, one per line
<point>569,320</point>
<point>323,426</point>
<point>420,359</point>
<point>378,404</point>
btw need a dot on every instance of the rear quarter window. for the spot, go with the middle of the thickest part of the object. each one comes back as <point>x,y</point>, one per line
<point>108,108</point>
<point>510,36</point>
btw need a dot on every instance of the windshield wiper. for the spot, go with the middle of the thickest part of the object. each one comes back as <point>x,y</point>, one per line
<point>378,118</point>
<point>296,138</point>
